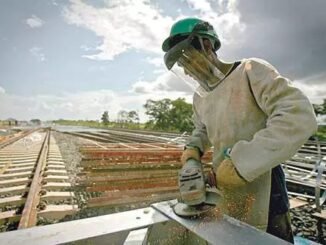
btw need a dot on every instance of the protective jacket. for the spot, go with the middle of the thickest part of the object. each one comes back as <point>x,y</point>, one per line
<point>264,119</point>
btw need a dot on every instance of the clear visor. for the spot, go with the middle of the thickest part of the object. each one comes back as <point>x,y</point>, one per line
<point>194,67</point>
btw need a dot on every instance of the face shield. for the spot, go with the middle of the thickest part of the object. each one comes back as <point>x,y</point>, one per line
<point>191,63</point>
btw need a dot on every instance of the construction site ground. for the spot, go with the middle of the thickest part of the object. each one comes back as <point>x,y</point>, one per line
<point>303,223</point>
<point>92,199</point>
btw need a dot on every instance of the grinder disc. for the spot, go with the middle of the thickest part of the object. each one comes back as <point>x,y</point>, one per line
<point>185,210</point>
<point>213,198</point>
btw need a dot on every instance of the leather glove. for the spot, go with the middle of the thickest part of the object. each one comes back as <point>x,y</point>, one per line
<point>227,176</point>
<point>211,178</point>
<point>190,153</point>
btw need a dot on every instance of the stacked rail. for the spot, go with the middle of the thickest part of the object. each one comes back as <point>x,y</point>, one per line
<point>305,173</point>
<point>114,136</point>
<point>33,181</point>
<point>124,174</point>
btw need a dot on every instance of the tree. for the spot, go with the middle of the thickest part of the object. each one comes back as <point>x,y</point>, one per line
<point>169,114</point>
<point>133,117</point>
<point>181,115</point>
<point>122,117</point>
<point>36,121</point>
<point>105,118</point>
<point>158,111</point>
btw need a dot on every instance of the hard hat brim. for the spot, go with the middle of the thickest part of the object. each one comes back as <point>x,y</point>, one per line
<point>166,45</point>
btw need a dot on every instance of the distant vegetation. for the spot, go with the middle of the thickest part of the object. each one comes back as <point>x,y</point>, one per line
<point>169,115</point>
<point>321,134</point>
<point>164,115</point>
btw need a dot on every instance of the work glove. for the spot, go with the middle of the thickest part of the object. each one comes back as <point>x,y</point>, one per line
<point>227,176</point>
<point>211,178</point>
<point>190,153</point>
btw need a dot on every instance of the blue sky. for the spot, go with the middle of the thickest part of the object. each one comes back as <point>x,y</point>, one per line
<point>75,59</point>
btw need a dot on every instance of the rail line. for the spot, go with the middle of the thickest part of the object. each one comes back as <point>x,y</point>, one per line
<point>114,136</point>
<point>305,173</point>
<point>111,170</point>
<point>33,181</point>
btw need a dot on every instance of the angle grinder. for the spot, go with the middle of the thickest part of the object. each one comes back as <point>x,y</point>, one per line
<point>197,197</point>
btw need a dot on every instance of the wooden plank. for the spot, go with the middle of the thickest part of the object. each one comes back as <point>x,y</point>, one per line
<point>295,202</point>
<point>321,215</point>
<point>57,195</point>
<point>15,175</point>
<point>18,181</point>
<point>56,178</point>
<point>14,200</point>
<point>14,190</point>
<point>52,186</point>
<point>9,216</point>
<point>56,212</point>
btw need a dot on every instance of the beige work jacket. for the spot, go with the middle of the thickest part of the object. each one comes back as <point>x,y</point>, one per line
<point>264,119</point>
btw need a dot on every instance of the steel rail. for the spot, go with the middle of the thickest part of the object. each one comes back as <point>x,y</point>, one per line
<point>29,214</point>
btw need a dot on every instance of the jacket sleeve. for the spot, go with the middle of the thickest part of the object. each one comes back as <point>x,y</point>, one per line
<point>198,138</point>
<point>290,122</point>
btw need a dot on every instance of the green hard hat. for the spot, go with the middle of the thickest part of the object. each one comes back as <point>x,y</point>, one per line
<point>185,27</point>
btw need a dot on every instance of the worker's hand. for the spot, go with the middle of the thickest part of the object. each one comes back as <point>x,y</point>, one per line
<point>227,176</point>
<point>190,153</point>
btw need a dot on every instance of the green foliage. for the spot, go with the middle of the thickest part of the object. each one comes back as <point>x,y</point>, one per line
<point>97,124</point>
<point>158,111</point>
<point>133,117</point>
<point>36,121</point>
<point>105,118</point>
<point>181,115</point>
<point>321,134</point>
<point>172,115</point>
<point>128,119</point>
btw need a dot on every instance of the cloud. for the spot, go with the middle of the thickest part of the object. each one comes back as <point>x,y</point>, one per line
<point>225,18</point>
<point>34,22</point>
<point>121,24</point>
<point>124,25</point>
<point>37,53</point>
<point>2,90</point>
<point>291,34</point>
<point>79,105</point>
<point>156,61</point>
<point>314,87</point>
<point>166,83</point>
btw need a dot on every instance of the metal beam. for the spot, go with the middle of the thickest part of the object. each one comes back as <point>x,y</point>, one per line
<point>220,229</point>
<point>90,229</point>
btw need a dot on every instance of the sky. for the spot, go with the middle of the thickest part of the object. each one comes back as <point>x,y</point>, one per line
<point>76,59</point>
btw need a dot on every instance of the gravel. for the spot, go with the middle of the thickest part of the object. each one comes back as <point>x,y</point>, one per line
<point>305,225</point>
<point>69,148</point>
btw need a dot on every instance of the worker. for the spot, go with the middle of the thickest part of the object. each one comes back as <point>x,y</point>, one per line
<point>251,115</point>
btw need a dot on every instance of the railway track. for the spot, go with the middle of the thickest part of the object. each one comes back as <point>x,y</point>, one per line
<point>305,173</point>
<point>128,175</point>
<point>115,136</point>
<point>33,181</point>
